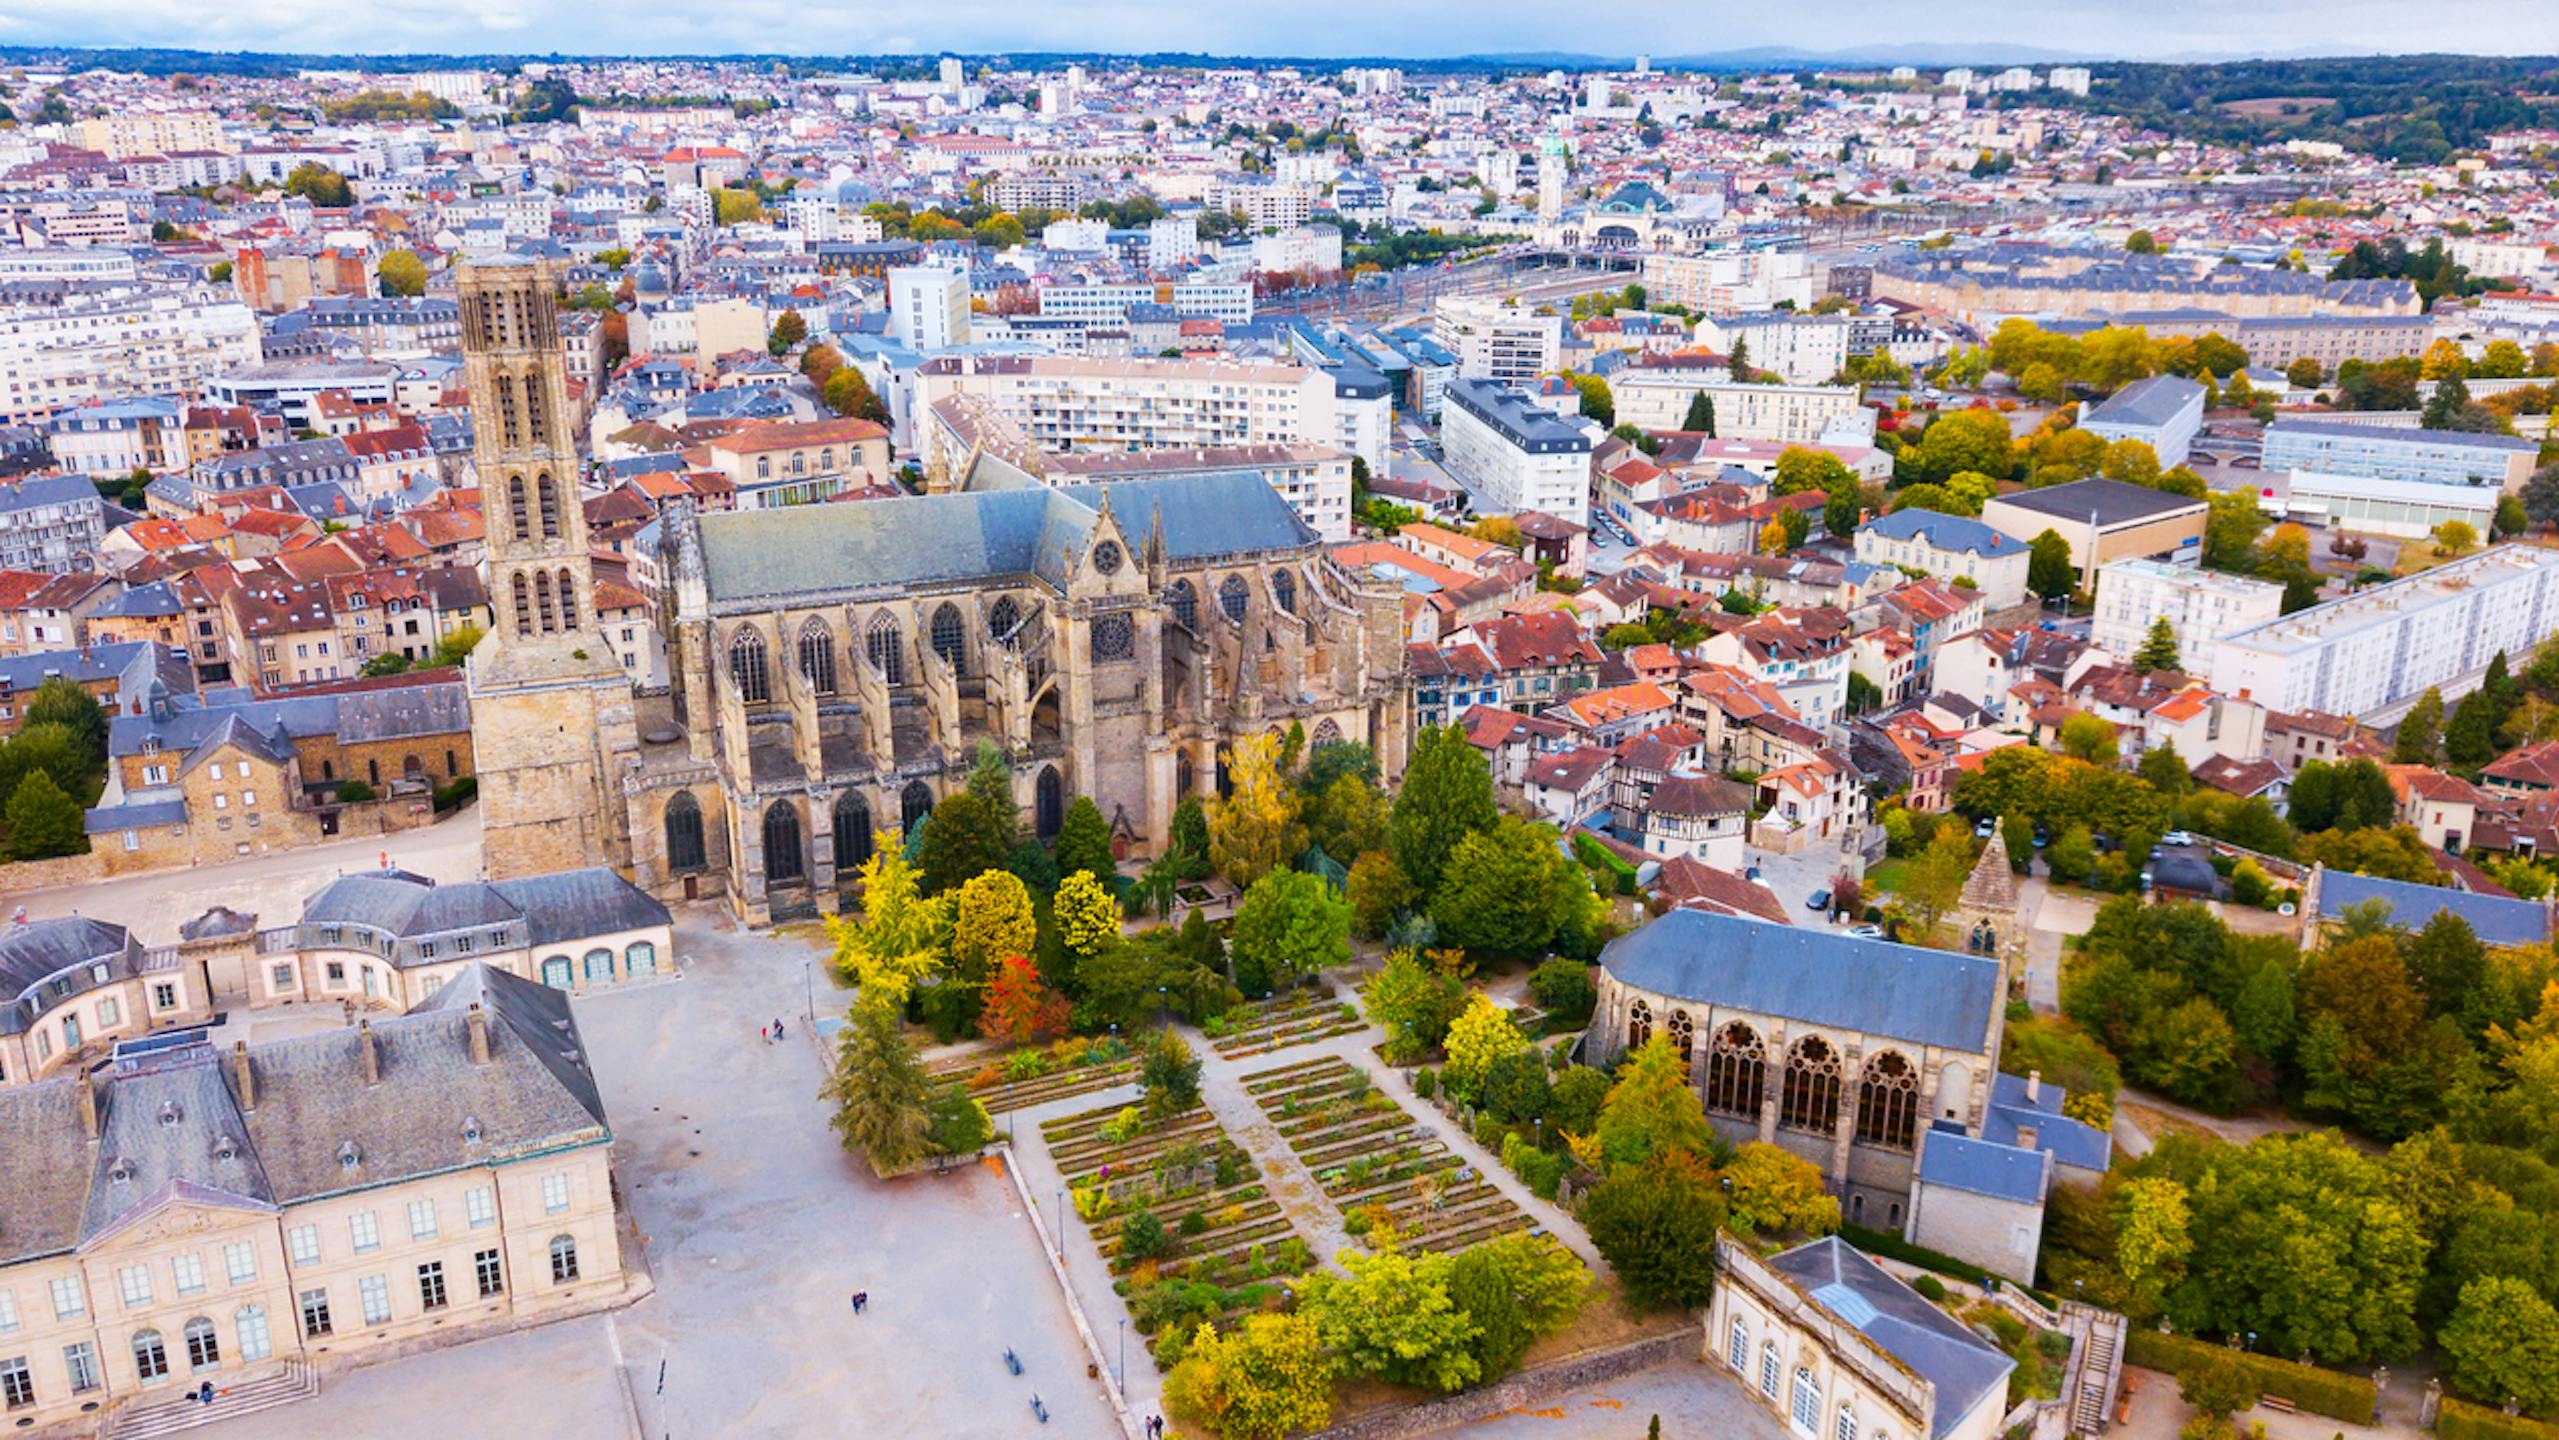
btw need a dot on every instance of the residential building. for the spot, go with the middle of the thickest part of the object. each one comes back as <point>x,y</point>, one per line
<point>1086,404</point>
<point>1657,397</point>
<point>1314,479</point>
<point>780,462</point>
<point>1542,657</point>
<point>2200,606</point>
<point>123,342</point>
<point>1508,344</point>
<point>2391,452</point>
<point>1949,547</point>
<point>52,523</point>
<point>2163,412</point>
<point>1514,453</point>
<point>929,307</point>
<point>2373,651</point>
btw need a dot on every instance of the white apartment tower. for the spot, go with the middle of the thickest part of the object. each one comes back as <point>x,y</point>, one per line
<point>928,307</point>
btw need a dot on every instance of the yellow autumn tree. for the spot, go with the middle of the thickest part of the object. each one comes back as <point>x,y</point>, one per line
<point>991,922</point>
<point>1254,830</point>
<point>1772,537</point>
<point>1087,917</point>
<point>901,935</point>
<point>1480,1035</point>
<point>1270,1377</point>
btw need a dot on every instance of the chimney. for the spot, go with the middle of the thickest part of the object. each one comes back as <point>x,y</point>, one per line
<point>2025,1137</point>
<point>479,1020</point>
<point>372,1055</point>
<point>88,1107</point>
<point>2034,1085</point>
<point>244,1079</point>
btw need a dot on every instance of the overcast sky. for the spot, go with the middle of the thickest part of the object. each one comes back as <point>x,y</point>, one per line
<point>2130,29</point>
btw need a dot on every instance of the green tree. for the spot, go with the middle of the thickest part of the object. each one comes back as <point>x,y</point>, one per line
<point>849,394</point>
<point>1290,926</point>
<point>2232,524</point>
<point>2503,1344</point>
<point>1596,403</point>
<point>1170,1075</point>
<point>455,647</point>
<point>2304,374</point>
<point>2217,1386</point>
<point>1390,1317</point>
<point>320,185</point>
<point>1508,890</point>
<point>2154,1239</point>
<point>2048,569</point>
<point>1965,440</point>
<point>1515,1289</point>
<point>1740,359</point>
<point>2419,737</point>
<point>1772,1191</point>
<point>58,701</point>
<point>734,206</point>
<point>2165,769</point>
<point>1379,894</point>
<point>1656,1226</point>
<point>788,330</point>
<point>44,821</point>
<point>1701,415</point>
<point>1447,795</point>
<point>1084,841</point>
<point>1268,1379</point>
<point>402,273</point>
<point>2087,738</point>
<point>2158,647</point>
<point>2140,242</point>
<point>960,841</point>
<point>1652,1111</point>
<point>1254,831</point>
<point>1412,1005</point>
<point>2541,495</point>
<point>880,1091</point>
<point>1479,1038</point>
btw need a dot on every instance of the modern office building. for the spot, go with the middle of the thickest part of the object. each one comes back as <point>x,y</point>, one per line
<point>2104,521</point>
<point>1514,453</point>
<point>2200,605</point>
<point>2163,412</point>
<point>1506,344</point>
<point>2381,647</point>
<point>2388,452</point>
<point>929,307</point>
<point>2403,509</point>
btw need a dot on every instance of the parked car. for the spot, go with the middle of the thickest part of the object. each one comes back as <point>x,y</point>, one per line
<point>1982,831</point>
<point>1818,900</point>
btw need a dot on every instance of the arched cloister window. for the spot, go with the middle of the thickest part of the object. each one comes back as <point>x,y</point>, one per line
<point>783,862</point>
<point>1049,802</point>
<point>817,656</point>
<point>950,638</point>
<point>1811,1097</point>
<point>1639,1025</point>
<point>1284,590</point>
<point>1233,597</point>
<point>913,805</point>
<point>1327,732</point>
<point>1888,1101</point>
<point>204,1347</point>
<point>887,645</point>
<point>1002,620</point>
<point>747,665</point>
<point>852,831</point>
<point>1184,602</point>
<point>1736,1072</point>
<point>684,848</point>
<point>1683,1036</point>
<point>150,1356</point>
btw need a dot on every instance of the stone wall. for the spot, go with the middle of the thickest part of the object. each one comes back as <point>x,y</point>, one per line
<point>1528,1388</point>
<point>46,874</point>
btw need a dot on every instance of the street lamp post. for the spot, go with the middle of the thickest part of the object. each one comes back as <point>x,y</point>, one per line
<point>1123,1356</point>
<point>1061,1223</point>
<point>808,986</point>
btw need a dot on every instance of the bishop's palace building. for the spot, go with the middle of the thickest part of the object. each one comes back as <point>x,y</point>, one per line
<point>834,667</point>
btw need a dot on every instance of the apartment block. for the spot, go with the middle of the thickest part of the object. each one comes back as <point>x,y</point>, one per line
<point>55,355</point>
<point>1514,453</point>
<point>1060,403</point>
<point>1657,397</point>
<point>1506,344</point>
<point>2389,452</point>
<point>2200,605</point>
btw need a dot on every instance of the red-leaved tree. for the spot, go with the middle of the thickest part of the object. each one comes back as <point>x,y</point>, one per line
<point>1018,1007</point>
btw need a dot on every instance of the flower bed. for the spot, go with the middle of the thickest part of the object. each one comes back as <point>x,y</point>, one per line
<point>1033,1075</point>
<point>1382,1168</point>
<point>1280,1022</point>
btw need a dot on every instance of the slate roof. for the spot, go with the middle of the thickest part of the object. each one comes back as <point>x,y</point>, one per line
<point>1982,1167</point>
<point>1004,527</point>
<point>2113,501</point>
<point>2071,1143</point>
<point>1821,977</point>
<point>2496,920</point>
<point>1947,532</point>
<point>2147,403</point>
<point>1965,1368</point>
<point>40,948</point>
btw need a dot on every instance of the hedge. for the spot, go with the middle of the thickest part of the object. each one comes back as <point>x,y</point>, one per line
<point>1600,857</point>
<point>2331,1393</point>
<point>1885,1243</point>
<point>2461,1420</point>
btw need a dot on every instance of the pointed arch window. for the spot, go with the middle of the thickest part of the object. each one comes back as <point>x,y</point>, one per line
<point>950,638</point>
<point>1888,1101</point>
<point>913,805</point>
<point>546,493</point>
<point>852,831</point>
<point>684,848</point>
<point>1683,1036</point>
<point>523,603</point>
<point>888,648</point>
<point>783,862</point>
<point>519,515</point>
<point>1736,1072</point>
<point>747,665</point>
<point>1003,620</point>
<point>542,601</point>
<point>1184,602</point>
<point>1811,1097</point>
<point>1233,598</point>
<point>1639,1025</point>
<point>1284,590</point>
<point>817,656</point>
<point>568,602</point>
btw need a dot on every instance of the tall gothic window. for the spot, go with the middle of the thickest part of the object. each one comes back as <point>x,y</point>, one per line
<point>817,656</point>
<point>1736,1072</point>
<point>684,848</point>
<point>534,433</point>
<point>523,603</point>
<point>852,831</point>
<point>1003,620</point>
<point>914,805</point>
<point>546,493</point>
<point>950,637</point>
<point>1327,732</point>
<point>1284,590</point>
<point>888,648</point>
<point>1888,1102</point>
<point>568,602</point>
<point>1232,598</point>
<point>1683,1036</point>
<point>746,665</point>
<point>783,862</point>
<point>1049,802</point>
<point>1810,1100</point>
<point>1639,1025</point>
<point>1184,603</point>
<point>519,517</point>
<point>542,601</point>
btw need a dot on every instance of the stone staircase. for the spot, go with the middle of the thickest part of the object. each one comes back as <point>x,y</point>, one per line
<point>2100,1367</point>
<point>297,1381</point>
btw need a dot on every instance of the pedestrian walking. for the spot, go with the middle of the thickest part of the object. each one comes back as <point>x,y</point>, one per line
<point>860,1299</point>
<point>764,1033</point>
<point>777,1028</point>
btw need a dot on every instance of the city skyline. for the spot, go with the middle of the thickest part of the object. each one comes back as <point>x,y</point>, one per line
<point>1852,31</point>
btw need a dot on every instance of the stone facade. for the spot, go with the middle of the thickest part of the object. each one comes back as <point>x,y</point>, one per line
<point>550,705</point>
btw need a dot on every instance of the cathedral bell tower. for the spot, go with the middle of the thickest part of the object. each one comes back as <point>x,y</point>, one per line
<point>551,709</point>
